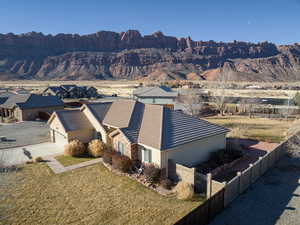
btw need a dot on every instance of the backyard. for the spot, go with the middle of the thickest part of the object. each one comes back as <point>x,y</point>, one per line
<point>90,195</point>
<point>260,129</point>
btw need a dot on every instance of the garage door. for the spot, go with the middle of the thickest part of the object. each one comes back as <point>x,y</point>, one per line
<point>59,139</point>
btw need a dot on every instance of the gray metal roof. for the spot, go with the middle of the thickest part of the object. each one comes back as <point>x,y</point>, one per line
<point>29,101</point>
<point>119,114</point>
<point>99,109</point>
<point>132,131</point>
<point>55,89</point>
<point>6,94</point>
<point>3,99</point>
<point>179,129</point>
<point>73,120</point>
<point>163,128</point>
<point>161,91</point>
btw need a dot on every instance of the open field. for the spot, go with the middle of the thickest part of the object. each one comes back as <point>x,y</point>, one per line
<point>90,195</point>
<point>124,87</point>
<point>261,129</point>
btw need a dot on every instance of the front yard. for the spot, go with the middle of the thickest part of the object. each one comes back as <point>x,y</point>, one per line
<point>90,195</point>
<point>69,160</point>
<point>260,129</point>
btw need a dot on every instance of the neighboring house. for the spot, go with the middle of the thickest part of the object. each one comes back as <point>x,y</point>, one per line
<point>71,91</point>
<point>29,106</point>
<point>144,132</point>
<point>55,91</point>
<point>156,95</point>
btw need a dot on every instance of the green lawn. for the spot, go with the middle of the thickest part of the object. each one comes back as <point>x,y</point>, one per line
<point>90,196</point>
<point>69,160</point>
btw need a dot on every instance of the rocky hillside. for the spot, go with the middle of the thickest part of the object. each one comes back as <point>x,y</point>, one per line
<point>129,55</point>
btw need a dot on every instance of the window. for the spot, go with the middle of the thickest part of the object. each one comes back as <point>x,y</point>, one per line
<point>121,147</point>
<point>98,136</point>
<point>147,156</point>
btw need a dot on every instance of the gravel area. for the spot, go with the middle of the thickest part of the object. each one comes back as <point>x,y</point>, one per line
<point>273,200</point>
<point>24,133</point>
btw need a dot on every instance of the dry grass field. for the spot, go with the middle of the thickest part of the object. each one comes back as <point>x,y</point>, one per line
<point>125,87</point>
<point>87,196</point>
<point>261,129</point>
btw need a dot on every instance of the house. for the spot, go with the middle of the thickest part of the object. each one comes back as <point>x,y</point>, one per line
<point>145,132</point>
<point>55,91</point>
<point>71,91</point>
<point>161,95</point>
<point>29,106</point>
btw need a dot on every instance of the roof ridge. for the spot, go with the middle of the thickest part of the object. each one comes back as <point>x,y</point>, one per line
<point>162,127</point>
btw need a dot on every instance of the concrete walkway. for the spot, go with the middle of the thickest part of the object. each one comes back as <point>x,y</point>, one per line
<point>57,167</point>
<point>16,156</point>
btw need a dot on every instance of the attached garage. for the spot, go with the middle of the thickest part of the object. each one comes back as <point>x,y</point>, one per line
<point>66,125</point>
<point>58,138</point>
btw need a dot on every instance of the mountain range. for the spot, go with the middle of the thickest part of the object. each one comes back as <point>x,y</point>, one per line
<point>129,55</point>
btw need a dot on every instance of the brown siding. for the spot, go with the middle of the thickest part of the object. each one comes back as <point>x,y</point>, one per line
<point>32,114</point>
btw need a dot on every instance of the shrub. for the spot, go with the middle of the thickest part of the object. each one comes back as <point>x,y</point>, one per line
<point>38,159</point>
<point>74,148</point>
<point>122,163</point>
<point>152,174</point>
<point>184,191</point>
<point>166,183</point>
<point>95,148</point>
<point>107,155</point>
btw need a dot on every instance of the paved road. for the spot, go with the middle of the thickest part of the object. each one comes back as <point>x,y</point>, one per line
<point>24,133</point>
<point>20,155</point>
<point>273,200</point>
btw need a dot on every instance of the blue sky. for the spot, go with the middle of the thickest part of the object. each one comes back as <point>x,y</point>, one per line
<point>221,20</point>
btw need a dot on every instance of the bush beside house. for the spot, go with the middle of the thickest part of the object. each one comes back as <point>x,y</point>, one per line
<point>74,148</point>
<point>184,191</point>
<point>152,174</point>
<point>96,148</point>
<point>121,162</point>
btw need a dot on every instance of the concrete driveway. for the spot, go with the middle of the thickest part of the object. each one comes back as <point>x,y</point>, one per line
<point>24,133</point>
<point>20,155</point>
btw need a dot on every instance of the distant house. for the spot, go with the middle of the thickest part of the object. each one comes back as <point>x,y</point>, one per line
<point>55,91</point>
<point>29,106</point>
<point>145,132</point>
<point>71,91</point>
<point>155,95</point>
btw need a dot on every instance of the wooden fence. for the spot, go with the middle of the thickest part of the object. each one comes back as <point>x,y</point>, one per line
<point>244,179</point>
<point>220,195</point>
<point>204,213</point>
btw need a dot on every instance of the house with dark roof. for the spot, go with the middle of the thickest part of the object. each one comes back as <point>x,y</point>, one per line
<point>145,132</point>
<point>29,106</point>
<point>161,95</point>
<point>71,91</point>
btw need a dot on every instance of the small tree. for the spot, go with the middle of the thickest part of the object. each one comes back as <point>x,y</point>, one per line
<point>192,102</point>
<point>220,97</point>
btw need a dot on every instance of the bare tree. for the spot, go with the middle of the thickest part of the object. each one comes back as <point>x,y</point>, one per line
<point>220,97</point>
<point>192,101</point>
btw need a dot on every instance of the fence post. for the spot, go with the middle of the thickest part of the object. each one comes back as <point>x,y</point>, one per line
<point>209,185</point>
<point>259,159</point>
<point>239,177</point>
